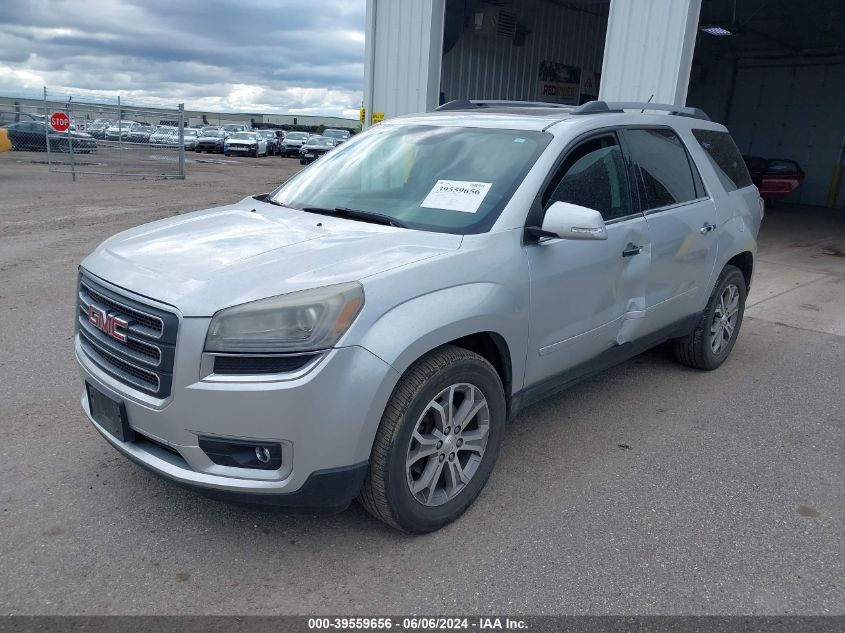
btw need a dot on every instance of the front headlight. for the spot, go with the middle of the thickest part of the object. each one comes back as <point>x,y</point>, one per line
<point>297,322</point>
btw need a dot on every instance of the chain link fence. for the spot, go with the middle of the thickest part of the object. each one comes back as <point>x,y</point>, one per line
<point>87,133</point>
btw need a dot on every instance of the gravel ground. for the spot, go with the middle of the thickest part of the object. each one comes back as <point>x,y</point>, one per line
<point>649,489</point>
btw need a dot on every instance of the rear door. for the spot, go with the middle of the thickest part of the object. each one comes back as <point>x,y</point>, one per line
<point>587,296</point>
<point>681,219</point>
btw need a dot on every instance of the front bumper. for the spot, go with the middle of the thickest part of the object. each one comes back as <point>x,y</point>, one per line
<point>324,419</point>
<point>240,149</point>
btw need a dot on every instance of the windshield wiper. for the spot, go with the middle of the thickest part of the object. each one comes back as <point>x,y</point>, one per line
<point>358,214</point>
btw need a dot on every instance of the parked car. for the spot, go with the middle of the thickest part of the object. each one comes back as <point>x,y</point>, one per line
<point>368,328</point>
<point>249,143</point>
<point>190,136</point>
<point>32,136</point>
<point>97,128</point>
<point>293,143</point>
<point>7,117</point>
<point>272,141</point>
<point>120,130</point>
<point>140,134</point>
<point>775,177</point>
<point>231,128</point>
<point>165,135</point>
<point>211,140</point>
<point>315,147</point>
<point>340,136</point>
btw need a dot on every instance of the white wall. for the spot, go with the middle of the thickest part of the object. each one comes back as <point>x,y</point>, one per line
<point>648,50</point>
<point>404,41</point>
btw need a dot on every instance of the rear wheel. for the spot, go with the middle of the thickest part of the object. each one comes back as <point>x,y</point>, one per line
<point>437,441</point>
<point>714,337</point>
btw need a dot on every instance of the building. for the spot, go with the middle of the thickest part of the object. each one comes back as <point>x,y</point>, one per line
<point>91,110</point>
<point>773,72</point>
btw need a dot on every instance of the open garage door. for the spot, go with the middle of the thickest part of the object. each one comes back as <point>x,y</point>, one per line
<point>529,50</point>
<point>774,73</point>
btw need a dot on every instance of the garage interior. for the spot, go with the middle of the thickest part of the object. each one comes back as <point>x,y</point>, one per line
<point>772,71</point>
<point>774,74</point>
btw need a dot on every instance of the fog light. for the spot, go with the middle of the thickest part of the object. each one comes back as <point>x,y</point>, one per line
<point>242,453</point>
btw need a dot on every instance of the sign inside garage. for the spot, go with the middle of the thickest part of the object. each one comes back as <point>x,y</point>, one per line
<point>559,83</point>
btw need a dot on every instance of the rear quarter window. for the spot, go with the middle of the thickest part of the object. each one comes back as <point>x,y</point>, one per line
<point>725,158</point>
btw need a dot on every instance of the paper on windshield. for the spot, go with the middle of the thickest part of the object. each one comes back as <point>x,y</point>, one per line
<point>457,195</point>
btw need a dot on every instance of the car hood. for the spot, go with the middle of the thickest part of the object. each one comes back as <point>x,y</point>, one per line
<point>208,260</point>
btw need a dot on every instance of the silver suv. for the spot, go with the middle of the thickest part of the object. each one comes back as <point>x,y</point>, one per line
<point>367,329</point>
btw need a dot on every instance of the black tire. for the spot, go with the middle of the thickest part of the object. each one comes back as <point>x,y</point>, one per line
<point>695,349</point>
<point>386,494</point>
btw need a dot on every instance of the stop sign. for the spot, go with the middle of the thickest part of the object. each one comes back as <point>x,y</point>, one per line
<point>59,121</point>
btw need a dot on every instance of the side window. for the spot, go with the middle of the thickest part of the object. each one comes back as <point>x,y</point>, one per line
<point>593,176</point>
<point>665,171</point>
<point>725,158</point>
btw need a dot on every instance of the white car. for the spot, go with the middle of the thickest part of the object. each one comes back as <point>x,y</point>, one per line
<point>120,130</point>
<point>165,135</point>
<point>249,143</point>
<point>190,136</point>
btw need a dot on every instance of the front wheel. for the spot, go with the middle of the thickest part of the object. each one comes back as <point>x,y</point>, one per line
<point>437,441</point>
<point>714,337</point>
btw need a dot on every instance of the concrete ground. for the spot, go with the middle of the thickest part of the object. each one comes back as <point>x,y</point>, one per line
<point>649,489</point>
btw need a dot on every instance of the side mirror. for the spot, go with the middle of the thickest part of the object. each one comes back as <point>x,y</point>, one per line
<point>571,222</point>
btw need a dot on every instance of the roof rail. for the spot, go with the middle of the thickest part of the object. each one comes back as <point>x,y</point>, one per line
<point>598,107</point>
<point>466,104</point>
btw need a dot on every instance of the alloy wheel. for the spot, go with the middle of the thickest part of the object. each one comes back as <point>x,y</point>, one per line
<point>448,444</point>
<point>724,319</point>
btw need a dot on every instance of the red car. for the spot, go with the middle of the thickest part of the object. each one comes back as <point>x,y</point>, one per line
<point>774,177</point>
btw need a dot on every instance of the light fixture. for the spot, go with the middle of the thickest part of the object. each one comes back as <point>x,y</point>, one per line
<point>717,31</point>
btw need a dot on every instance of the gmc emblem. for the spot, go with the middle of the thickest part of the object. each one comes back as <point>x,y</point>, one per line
<point>108,323</point>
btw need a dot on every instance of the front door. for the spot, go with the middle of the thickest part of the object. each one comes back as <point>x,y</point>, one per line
<point>587,295</point>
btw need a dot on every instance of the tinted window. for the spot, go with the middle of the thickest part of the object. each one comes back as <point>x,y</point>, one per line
<point>593,176</point>
<point>725,158</point>
<point>664,168</point>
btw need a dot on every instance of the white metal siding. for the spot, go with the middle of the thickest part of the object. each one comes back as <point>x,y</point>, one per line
<point>649,49</point>
<point>404,44</point>
<point>487,66</point>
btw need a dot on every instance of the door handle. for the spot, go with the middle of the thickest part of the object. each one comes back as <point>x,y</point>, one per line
<point>631,250</point>
<point>707,227</point>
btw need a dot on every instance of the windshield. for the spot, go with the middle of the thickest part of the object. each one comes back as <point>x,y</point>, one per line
<point>190,132</point>
<point>447,179</point>
<point>243,136</point>
<point>336,133</point>
<point>296,136</point>
<point>321,141</point>
<point>166,130</point>
<point>215,133</point>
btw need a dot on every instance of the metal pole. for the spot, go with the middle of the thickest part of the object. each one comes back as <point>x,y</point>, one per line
<point>47,130</point>
<point>120,134</point>
<point>70,141</point>
<point>181,140</point>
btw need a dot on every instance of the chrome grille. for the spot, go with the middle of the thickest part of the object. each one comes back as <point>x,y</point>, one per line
<point>145,360</point>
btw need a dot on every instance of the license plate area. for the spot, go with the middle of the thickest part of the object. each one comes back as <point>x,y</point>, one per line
<point>109,414</point>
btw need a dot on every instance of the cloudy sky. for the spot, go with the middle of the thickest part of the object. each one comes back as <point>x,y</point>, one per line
<point>300,56</point>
